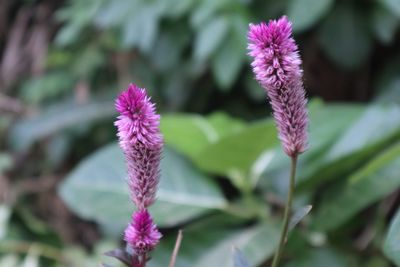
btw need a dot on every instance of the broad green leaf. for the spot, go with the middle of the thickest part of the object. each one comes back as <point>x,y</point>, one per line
<point>367,131</point>
<point>305,13</point>
<point>344,36</point>
<point>355,145</point>
<point>56,118</point>
<point>322,136</point>
<point>251,241</point>
<point>210,37</point>
<point>97,186</point>
<point>391,247</point>
<point>237,152</point>
<point>393,5</point>
<point>191,133</point>
<point>187,133</point>
<point>200,249</point>
<point>318,258</point>
<point>224,124</point>
<point>375,180</point>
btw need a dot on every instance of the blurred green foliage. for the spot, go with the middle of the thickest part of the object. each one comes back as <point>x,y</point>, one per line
<point>224,175</point>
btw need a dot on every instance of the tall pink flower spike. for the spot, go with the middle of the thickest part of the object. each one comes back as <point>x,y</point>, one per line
<point>277,67</point>
<point>142,143</point>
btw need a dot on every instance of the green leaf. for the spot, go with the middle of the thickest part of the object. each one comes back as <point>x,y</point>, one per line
<point>367,131</point>
<point>237,152</point>
<point>239,260</point>
<point>199,249</point>
<point>362,140</point>
<point>393,5</point>
<point>251,241</point>
<point>391,247</point>
<point>298,216</point>
<point>167,51</point>
<point>77,16</point>
<point>97,186</point>
<point>206,10</point>
<point>375,180</point>
<point>344,36</point>
<point>45,87</point>
<point>305,13</point>
<point>114,13</point>
<point>384,24</point>
<point>318,258</point>
<point>56,118</point>
<point>227,62</point>
<point>210,37</point>
<point>191,133</point>
<point>322,136</point>
<point>141,28</point>
<point>187,133</point>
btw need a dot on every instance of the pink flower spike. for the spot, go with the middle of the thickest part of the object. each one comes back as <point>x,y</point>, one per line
<point>142,234</point>
<point>138,121</point>
<point>142,143</point>
<point>277,67</point>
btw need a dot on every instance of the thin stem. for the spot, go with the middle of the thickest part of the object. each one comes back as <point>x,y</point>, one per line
<point>176,249</point>
<point>286,217</point>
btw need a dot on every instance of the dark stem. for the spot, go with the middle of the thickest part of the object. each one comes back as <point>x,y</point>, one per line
<point>286,217</point>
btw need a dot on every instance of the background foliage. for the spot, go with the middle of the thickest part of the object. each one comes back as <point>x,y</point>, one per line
<point>63,197</point>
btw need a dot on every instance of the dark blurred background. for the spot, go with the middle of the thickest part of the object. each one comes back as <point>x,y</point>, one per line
<point>63,62</point>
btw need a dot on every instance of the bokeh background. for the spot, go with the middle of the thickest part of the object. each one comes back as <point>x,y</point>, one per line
<point>63,199</point>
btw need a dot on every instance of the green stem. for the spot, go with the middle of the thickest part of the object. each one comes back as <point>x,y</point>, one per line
<point>286,217</point>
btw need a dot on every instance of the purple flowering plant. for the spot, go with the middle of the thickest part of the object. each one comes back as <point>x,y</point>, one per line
<point>277,67</point>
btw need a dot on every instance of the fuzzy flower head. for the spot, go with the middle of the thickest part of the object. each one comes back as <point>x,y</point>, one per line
<point>142,234</point>
<point>277,67</point>
<point>142,143</point>
<point>138,121</point>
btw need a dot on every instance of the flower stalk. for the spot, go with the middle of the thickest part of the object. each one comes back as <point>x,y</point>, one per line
<point>277,67</point>
<point>288,211</point>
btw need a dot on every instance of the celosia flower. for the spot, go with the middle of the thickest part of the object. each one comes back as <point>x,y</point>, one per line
<point>142,233</point>
<point>138,121</point>
<point>141,141</point>
<point>277,68</point>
